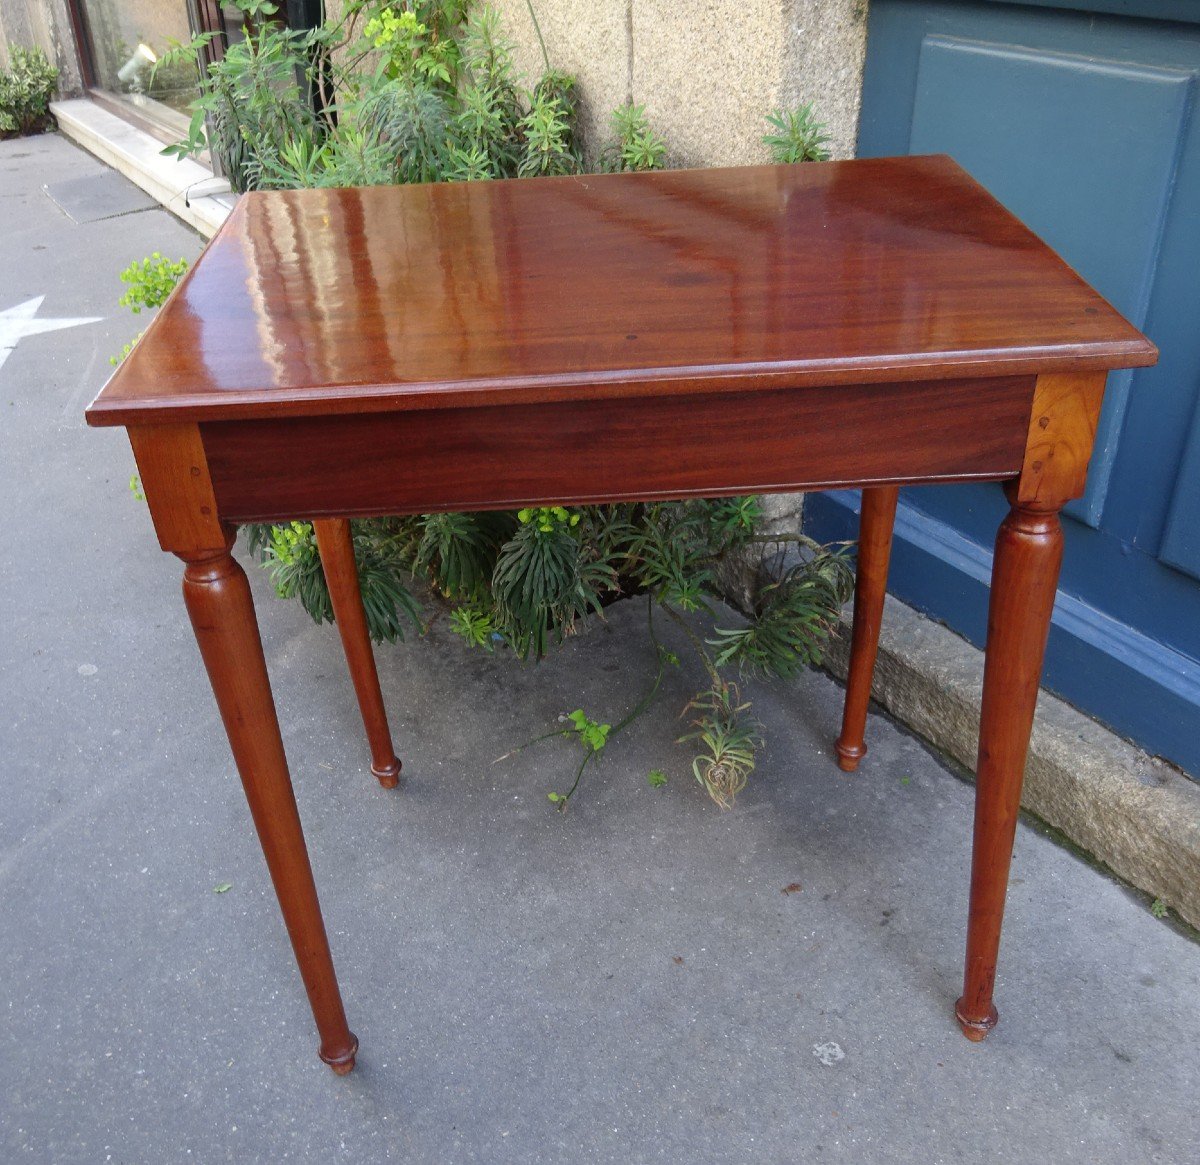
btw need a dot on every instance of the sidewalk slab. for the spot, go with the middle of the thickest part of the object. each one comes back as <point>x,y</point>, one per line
<point>183,186</point>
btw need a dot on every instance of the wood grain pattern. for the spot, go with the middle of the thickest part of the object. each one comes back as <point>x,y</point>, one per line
<point>311,302</point>
<point>1025,567</point>
<point>1062,427</point>
<point>502,457</point>
<point>870,586</point>
<point>338,353</point>
<point>177,486</point>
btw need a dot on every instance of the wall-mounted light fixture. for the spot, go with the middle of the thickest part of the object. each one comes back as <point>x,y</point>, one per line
<point>130,73</point>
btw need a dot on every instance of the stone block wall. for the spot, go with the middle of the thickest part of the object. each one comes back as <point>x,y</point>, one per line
<point>41,24</point>
<point>708,71</point>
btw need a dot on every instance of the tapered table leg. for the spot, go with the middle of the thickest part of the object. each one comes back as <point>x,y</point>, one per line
<point>1024,577</point>
<point>218,600</point>
<point>870,585</point>
<point>341,574</point>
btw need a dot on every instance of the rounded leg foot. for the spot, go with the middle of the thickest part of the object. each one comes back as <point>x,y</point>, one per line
<point>848,755</point>
<point>388,775</point>
<point>341,1062</point>
<point>975,1030</point>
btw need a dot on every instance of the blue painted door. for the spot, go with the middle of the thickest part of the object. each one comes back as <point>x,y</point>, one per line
<point>1083,120</point>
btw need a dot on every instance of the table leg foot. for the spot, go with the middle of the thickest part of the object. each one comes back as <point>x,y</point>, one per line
<point>342,1062</point>
<point>975,1030</point>
<point>336,546</point>
<point>388,775</point>
<point>870,584</point>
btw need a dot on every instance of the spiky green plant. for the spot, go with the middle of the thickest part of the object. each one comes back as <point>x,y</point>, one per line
<point>798,136</point>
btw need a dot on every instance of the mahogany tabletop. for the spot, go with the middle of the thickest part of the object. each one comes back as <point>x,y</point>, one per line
<point>315,302</point>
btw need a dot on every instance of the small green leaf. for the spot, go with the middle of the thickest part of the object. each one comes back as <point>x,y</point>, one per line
<point>554,797</point>
<point>1158,908</point>
<point>222,887</point>
<point>656,779</point>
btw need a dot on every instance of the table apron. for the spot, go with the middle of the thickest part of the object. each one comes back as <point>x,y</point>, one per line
<point>716,444</point>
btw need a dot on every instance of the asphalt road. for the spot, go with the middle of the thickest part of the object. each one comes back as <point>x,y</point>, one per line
<point>623,983</point>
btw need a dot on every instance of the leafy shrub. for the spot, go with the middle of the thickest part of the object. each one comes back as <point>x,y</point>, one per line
<point>25,92</point>
<point>636,145</point>
<point>150,281</point>
<point>418,92</point>
<point>525,580</point>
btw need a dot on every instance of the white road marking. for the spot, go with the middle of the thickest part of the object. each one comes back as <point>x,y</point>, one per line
<point>18,322</point>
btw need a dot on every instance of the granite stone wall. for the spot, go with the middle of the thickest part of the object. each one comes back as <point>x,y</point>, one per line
<point>42,24</point>
<point>708,71</point>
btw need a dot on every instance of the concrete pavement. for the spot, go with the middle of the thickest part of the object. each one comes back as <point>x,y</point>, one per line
<point>624,983</point>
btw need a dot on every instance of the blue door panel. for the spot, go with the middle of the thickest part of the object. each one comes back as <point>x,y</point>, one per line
<point>1085,124</point>
<point>1045,103</point>
<point>1168,610</point>
<point>1181,545</point>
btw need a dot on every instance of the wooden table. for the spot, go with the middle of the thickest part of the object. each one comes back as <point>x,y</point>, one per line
<point>339,353</point>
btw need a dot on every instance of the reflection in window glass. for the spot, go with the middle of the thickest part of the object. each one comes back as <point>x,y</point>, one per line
<point>128,36</point>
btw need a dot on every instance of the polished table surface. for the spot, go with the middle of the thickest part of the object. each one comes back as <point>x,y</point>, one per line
<point>340,353</point>
<point>325,301</point>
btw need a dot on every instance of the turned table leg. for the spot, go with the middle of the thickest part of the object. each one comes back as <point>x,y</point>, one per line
<point>870,584</point>
<point>341,574</point>
<point>1024,578</point>
<point>222,612</point>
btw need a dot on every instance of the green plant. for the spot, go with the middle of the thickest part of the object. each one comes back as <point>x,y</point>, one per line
<point>290,554</point>
<point>635,146</point>
<point>728,740</point>
<point>798,136</point>
<point>572,561</point>
<point>26,88</point>
<point>412,92</point>
<point>150,281</point>
<point>1158,908</point>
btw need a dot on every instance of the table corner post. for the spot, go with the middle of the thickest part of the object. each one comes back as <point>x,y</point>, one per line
<point>216,592</point>
<point>1025,568</point>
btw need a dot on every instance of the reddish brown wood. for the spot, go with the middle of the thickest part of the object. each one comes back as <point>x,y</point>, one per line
<point>1066,411</point>
<point>600,450</point>
<point>1025,569</point>
<point>336,545</point>
<point>218,600</point>
<point>870,585</point>
<point>311,302</point>
<point>1024,577</point>
<point>177,485</point>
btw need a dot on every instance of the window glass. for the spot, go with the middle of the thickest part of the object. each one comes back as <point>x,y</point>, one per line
<point>128,36</point>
